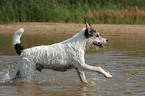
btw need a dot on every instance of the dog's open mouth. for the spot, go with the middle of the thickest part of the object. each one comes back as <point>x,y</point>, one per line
<point>98,44</point>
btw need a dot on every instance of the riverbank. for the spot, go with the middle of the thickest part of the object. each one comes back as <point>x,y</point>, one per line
<point>70,29</point>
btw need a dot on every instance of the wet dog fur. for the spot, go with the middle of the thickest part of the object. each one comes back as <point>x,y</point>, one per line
<point>68,54</point>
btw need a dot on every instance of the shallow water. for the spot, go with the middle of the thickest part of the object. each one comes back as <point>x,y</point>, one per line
<point>123,58</point>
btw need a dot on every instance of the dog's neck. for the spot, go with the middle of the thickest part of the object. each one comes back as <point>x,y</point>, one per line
<point>78,41</point>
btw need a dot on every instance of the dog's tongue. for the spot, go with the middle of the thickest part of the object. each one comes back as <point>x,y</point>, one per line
<point>101,46</point>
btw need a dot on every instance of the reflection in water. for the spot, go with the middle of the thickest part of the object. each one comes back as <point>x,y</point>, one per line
<point>51,90</point>
<point>123,58</point>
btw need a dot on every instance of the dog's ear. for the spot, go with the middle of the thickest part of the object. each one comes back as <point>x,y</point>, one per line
<point>88,27</point>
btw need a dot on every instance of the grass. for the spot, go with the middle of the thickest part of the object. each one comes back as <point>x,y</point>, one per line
<point>77,11</point>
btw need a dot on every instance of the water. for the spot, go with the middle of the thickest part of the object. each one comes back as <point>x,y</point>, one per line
<point>123,58</point>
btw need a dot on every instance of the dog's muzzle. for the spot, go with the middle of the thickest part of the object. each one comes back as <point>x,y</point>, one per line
<point>98,44</point>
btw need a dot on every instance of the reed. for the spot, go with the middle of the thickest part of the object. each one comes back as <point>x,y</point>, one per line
<point>77,11</point>
<point>133,15</point>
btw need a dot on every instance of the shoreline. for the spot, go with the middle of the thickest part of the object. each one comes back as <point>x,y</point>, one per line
<point>70,29</point>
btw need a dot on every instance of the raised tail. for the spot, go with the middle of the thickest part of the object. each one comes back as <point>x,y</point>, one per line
<point>16,41</point>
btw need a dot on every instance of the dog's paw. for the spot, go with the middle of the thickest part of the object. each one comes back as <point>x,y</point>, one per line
<point>107,75</point>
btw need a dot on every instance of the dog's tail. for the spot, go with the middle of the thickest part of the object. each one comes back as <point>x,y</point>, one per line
<point>16,41</point>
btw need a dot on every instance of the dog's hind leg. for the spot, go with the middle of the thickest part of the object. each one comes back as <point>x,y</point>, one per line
<point>82,76</point>
<point>17,76</point>
<point>27,69</point>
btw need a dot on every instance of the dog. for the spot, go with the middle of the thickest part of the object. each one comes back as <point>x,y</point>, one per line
<point>68,54</point>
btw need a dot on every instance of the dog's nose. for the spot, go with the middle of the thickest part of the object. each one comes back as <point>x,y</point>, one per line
<point>106,40</point>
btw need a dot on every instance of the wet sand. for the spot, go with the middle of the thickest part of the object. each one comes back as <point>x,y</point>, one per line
<point>69,29</point>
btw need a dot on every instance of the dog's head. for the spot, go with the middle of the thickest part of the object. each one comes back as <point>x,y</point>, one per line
<point>94,38</point>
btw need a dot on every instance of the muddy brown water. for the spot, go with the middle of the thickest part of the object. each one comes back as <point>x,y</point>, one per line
<point>123,58</point>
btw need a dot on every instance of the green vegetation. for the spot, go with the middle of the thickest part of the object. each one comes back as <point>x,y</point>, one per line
<point>78,11</point>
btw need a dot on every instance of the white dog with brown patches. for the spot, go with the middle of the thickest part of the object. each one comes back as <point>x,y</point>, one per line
<point>62,56</point>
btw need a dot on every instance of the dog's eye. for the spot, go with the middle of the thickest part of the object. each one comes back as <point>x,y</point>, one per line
<point>97,35</point>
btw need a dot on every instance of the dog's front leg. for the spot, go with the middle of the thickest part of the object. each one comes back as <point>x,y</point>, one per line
<point>96,69</point>
<point>82,76</point>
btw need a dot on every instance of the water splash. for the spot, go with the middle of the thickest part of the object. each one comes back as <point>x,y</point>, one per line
<point>6,77</point>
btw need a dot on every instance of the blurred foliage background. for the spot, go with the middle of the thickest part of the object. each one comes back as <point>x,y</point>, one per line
<point>76,11</point>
